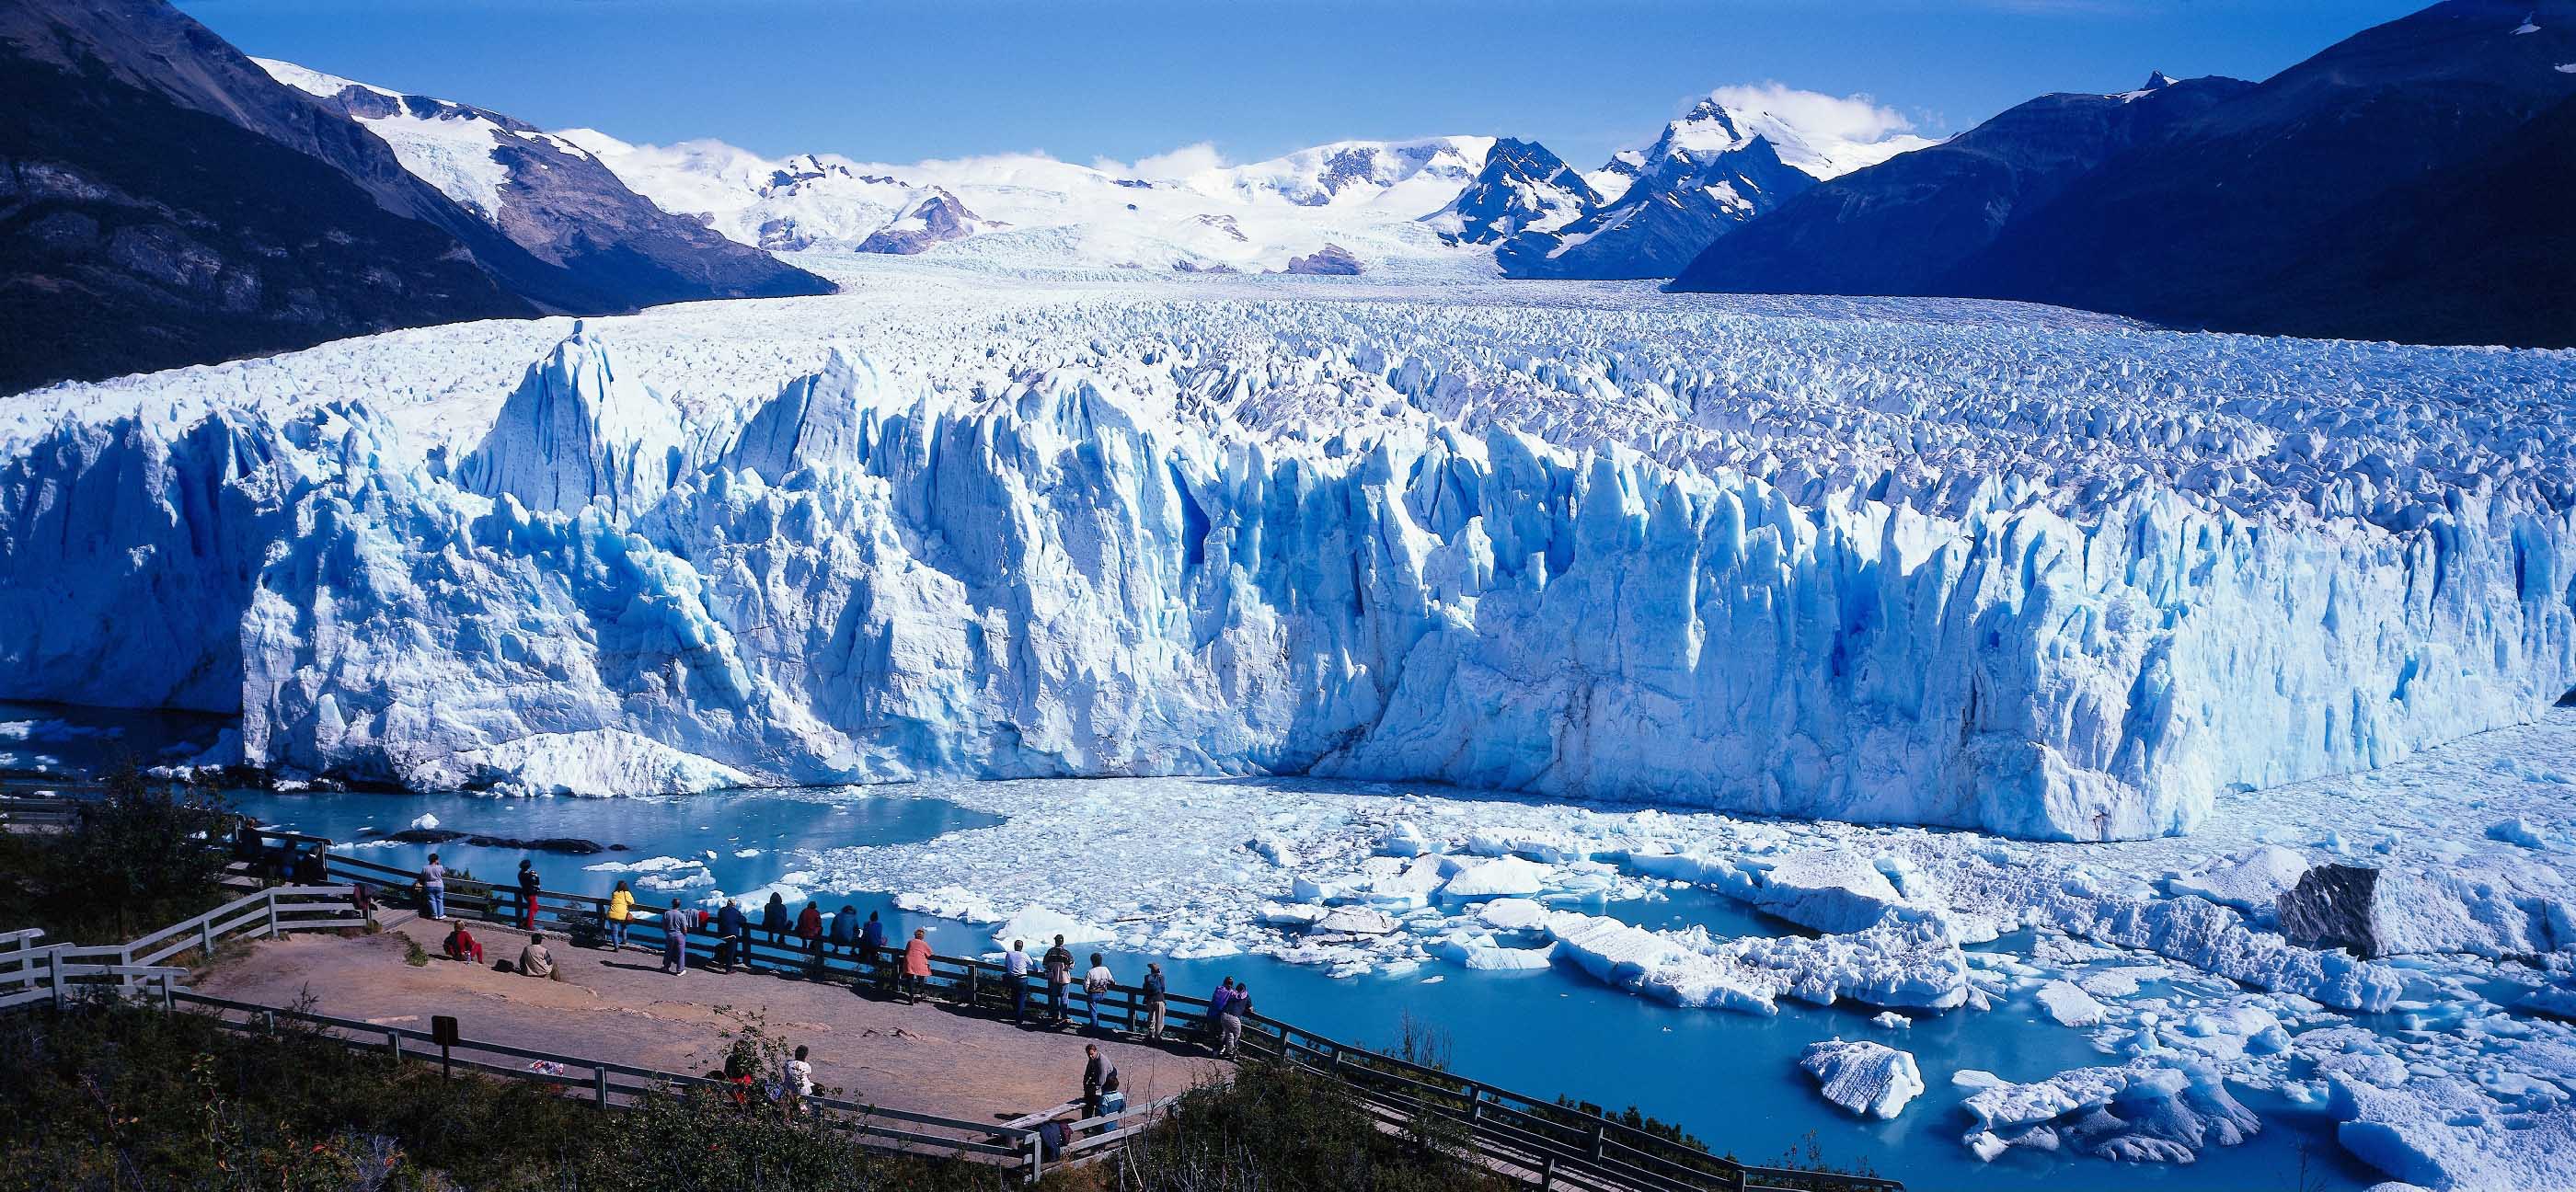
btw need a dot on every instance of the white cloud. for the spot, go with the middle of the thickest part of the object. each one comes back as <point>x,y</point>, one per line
<point>1183,162</point>
<point>1855,118</point>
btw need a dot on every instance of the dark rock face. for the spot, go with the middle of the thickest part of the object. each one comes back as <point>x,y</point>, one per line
<point>1332,260</point>
<point>1900,227</point>
<point>163,201</point>
<point>2397,185</point>
<point>1522,183</point>
<point>1688,194</point>
<point>159,211</point>
<point>571,845</point>
<point>614,248</point>
<point>2332,907</point>
<point>936,218</point>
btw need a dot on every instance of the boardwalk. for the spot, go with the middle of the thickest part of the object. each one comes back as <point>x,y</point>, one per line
<point>621,1007</point>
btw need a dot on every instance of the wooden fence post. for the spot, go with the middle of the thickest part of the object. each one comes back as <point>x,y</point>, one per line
<point>393,1044</point>
<point>270,898</point>
<point>599,1085</point>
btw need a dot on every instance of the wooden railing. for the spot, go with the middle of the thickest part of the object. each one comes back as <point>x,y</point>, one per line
<point>1543,1143</point>
<point>611,1085</point>
<point>38,811</point>
<point>34,971</point>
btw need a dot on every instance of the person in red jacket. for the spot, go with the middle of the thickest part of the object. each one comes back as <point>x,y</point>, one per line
<point>809,933</point>
<point>461,945</point>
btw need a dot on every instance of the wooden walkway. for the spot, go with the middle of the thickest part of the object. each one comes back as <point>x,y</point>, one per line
<point>1540,1143</point>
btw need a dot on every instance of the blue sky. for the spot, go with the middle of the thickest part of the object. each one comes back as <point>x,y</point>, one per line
<point>899,80</point>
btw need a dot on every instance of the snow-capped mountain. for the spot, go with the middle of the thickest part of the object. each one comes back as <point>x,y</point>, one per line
<point>1711,171</point>
<point>2392,186</point>
<point>1366,196</point>
<point>936,217</point>
<point>554,198</point>
<point>1522,187</point>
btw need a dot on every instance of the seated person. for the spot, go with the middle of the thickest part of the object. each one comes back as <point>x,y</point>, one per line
<point>461,945</point>
<point>535,961</point>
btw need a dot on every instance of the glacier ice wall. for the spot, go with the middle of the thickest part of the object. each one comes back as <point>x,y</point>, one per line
<point>872,577</point>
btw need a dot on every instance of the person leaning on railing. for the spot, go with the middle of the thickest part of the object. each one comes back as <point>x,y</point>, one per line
<point>675,939</point>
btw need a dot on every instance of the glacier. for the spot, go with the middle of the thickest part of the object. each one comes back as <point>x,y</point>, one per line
<point>1935,563</point>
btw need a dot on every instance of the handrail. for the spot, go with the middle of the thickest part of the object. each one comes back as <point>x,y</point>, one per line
<point>1549,1126</point>
<point>1560,1136</point>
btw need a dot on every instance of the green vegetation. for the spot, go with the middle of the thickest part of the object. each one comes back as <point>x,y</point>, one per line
<point>146,856</point>
<point>107,1097</point>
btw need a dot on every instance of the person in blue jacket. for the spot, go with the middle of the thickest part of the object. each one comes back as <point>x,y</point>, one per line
<point>872,942</point>
<point>845,928</point>
<point>732,924</point>
<point>773,920</point>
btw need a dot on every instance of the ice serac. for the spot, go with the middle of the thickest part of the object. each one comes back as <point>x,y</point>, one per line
<point>1097,559</point>
<point>577,431</point>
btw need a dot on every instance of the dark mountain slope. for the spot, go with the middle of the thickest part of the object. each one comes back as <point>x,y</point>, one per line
<point>1899,226</point>
<point>136,234</point>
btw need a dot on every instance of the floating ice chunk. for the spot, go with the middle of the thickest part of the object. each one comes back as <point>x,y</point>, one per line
<point>1355,920</point>
<point>1869,1079</point>
<point>2517,831</point>
<point>757,897</point>
<point>1276,849</point>
<point>425,822</point>
<point>745,853</point>
<point>592,762</point>
<point>1404,839</point>
<point>1035,924</point>
<point>1891,1020</point>
<point>1512,914</point>
<point>1281,914</point>
<point>647,865</point>
<point>950,902</point>
<point>2445,1133</point>
<point>2252,882</point>
<point>1833,890</point>
<point>2152,1110</point>
<point>2389,912</point>
<point>2215,939</point>
<point>2069,1005</point>
<point>1478,951</point>
<point>1502,877</point>
<point>1908,961</point>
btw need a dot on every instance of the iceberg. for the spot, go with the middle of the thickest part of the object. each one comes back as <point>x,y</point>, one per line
<point>1869,1079</point>
<point>2151,1111</point>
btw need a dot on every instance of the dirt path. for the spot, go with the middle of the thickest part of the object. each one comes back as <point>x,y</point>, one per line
<point>621,1008</point>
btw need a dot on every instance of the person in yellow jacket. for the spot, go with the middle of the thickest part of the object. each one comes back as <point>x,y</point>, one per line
<point>620,900</point>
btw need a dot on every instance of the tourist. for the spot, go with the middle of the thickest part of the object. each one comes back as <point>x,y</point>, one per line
<point>845,928</point>
<point>728,950</point>
<point>1099,1079</point>
<point>313,869</point>
<point>732,923</point>
<point>527,896</point>
<point>799,1085</point>
<point>809,929</point>
<point>1216,1010</point>
<point>1230,1024</point>
<point>1155,995</point>
<point>1015,966</point>
<point>621,903</point>
<point>1059,973</point>
<point>872,943</point>
<point>916,965</point>
<point>675,939</point>
<point>773,920</point>
<point>1094,983</point>
<point>535,961</point>
<point>433,886</point>
<point>461,945</point>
